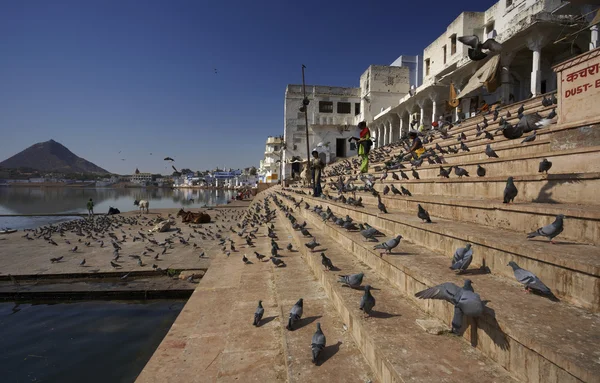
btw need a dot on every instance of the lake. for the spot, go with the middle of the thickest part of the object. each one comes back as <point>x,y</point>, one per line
<point>81,342</point>
<point>52,200</point>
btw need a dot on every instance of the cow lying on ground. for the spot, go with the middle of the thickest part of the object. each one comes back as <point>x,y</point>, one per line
<point>189,217</point>
<point>113,210</point>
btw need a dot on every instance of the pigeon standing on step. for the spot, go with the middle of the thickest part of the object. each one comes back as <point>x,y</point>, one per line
<point>395,191</point>
<point>312,244</point>
<point>530,138</point>
<point>549,231</point>
<point>462,258</point>
<point>423,214</point>
<point>460,172</point>
<point>388,245</point>
<point>405,191</point>
<point>444,173</point>
<point>277,262</point>
<point>258,314</point>
<point>490,152</point>
<point>369,233</point>
<point>545,165</point>
<point>415,174</point>
<point>353,280</point>
<point>295,314</point>
<point>530,280</point>
<point>380,205</point>
<point>510,191</point>
<point>318,344</point>
<point>480,171</point>
<point>465,301</point>
<point>326,262</point>
<point>386,190</point>
<point>245,259</point>
<point>367,302</point>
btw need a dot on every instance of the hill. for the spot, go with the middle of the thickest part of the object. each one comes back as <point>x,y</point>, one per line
<point>51,156</point>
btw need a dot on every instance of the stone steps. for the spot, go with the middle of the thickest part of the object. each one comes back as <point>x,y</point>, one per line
<point>568,188</point>
<point>536,339</point>
<point>582,222</point>
<point>583,159</point>
<point>393,343</point>
<point>571,270</point>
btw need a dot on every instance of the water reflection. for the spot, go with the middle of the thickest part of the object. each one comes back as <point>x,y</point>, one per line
<point>35,200</point>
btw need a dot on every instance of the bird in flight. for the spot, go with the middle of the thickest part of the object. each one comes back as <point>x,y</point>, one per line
<point>169,159</point>
<point>476,46</point>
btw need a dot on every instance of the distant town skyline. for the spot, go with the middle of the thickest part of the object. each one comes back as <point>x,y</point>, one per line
<point>202,82</point>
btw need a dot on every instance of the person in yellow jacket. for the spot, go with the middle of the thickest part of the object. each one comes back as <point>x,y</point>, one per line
<point>417,145</point>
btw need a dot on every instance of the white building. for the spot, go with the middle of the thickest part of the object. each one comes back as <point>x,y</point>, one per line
<point>141,178</point>
<point>268,170</point>
<point>527,29</point>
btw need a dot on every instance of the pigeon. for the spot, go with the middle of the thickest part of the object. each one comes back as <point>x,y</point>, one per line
<point>395,191</point>
<point>465,300</point>
<point>380,205</point>
<point>57,259</point>
<point>305,232</point>
<point>405,191</point>
<point>480,171</point>
<point>74,249</point>
<point>277,262</point>
<point>549,231</point>
<point>462,258</point>
<point>403,175</point>
<point>326,262</point>
<point>258,314</point>
<point>82,263</point>
<point>289,247</point>
<point>168,159</point>
<point>444,172</point>
<point>460,172</point>
<point>490,152</point>
<point>510,191</point>
<point>415,174</point>
<point>367,302</point>
<point>552,114</point>
<point>389,245</point>
<point>530,138</point>
<point>545,165</point>
<point>245,259</point>
<point>521,109</point>
<point>114,265</point>
<point>464,147</point>
<point>318,344</point>
<point>295,314</point>
<point>423,214</point>
<point>531,282</point>
<point>369,233</point>
<point>395,177</point>
<point>353,280</point>
<point>312,244</point>
<point>386,190</point>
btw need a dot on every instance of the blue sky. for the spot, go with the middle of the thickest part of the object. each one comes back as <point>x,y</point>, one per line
<point>137,76</point>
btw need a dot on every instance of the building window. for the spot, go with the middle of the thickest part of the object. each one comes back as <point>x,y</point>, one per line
<point>444,49</point>
<point>452,44</point>
<point>344,107</point>
<point>356,108</point>
<point>489,31</point>
<point>325,107</point>
<point>509,3</point>
<point>427,66</point>
<point>275,148</point>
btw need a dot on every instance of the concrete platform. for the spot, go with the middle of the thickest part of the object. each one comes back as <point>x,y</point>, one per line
<point>561,346</point>
<point>213,339</point>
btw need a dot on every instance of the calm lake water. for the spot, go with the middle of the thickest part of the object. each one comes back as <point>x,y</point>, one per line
<point>81,342</point>
<point>36,200</point>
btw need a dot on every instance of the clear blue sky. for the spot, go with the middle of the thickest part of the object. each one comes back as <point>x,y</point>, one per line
<point>137,75</point>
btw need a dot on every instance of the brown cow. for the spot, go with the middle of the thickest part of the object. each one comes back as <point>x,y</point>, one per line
<point>190,217</point>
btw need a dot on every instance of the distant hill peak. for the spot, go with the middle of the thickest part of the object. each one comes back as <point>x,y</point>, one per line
<point>51,156</point>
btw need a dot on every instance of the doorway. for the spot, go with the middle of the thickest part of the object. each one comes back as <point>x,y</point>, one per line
<point>340,147</point>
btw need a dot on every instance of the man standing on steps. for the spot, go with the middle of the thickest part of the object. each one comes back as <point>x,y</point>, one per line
<point>90,208</point>
<point>317,165</point>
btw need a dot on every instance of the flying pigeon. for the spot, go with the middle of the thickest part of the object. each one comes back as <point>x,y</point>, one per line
<point>388,245</point>
<point>318,344</point>
<point>258,314</point>
<point>367,302</point>
<point>465,300</point>
<point>353,280</point>
<point>295,314</point>
<point>531,282</point>
<point>462,258</point>
<point>169,159</point>
<point>423,214</point>
<point>510,191</point>
<point>549,231</point>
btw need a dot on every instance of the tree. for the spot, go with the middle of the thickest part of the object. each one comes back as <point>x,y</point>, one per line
<point>253,171</point>
<point>186,171</point>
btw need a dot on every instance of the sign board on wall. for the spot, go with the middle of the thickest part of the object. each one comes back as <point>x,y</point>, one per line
<point>579,89</point>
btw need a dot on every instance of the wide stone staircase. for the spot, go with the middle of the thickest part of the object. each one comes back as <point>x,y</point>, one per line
<point>525,337</point>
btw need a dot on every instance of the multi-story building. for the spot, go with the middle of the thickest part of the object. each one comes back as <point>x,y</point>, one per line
<point>415,69</point>
<point>532,33</point>
<point>268,170</point>
<point>141,178</point>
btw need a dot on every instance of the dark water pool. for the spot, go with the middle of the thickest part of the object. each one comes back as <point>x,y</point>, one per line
<point>81,342</point>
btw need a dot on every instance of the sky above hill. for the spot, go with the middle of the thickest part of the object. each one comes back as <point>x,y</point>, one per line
<point>138,77</point>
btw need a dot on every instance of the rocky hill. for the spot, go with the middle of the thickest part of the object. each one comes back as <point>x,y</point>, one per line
<point>51,156</point>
